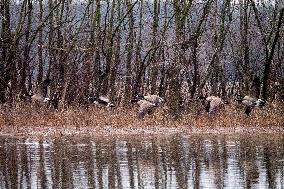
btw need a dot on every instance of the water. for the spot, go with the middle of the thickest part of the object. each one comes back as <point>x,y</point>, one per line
<point>196,161</point>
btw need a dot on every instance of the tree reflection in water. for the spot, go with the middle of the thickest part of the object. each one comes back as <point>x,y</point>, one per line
<point>196,161</point>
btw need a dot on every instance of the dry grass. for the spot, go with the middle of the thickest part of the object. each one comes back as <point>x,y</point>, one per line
<point>29,120</point>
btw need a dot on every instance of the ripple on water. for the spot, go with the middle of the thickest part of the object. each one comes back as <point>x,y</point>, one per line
<point>177,161</point>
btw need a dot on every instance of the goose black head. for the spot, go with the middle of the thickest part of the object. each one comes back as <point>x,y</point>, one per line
<point>226,101</point>
<point>105,101</point>
<point>201,98</point>
<point>239,98</point>
<point>92,99</point>
<point>137,98</point>
<point>100,100</point>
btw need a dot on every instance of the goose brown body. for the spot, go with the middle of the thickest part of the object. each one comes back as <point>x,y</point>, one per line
<point>42,94</point>
<point>147,104</point>
<point>39,98</point>
<point>145,107</point>
<point>155,99</point>
<point>213,104</point>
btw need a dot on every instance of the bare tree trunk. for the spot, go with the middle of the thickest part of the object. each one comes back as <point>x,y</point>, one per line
<point>87,67</point>
<point>181,10</point>
<point>195,43</point>
<point>97,45</point>
<point>154,65</point>
<point>109,51</point>
<point>138,83</point>
<point>226,13</point>
<point>116,56</point>
<point>268,61</point>
<point>270,45</point>
<point>26,60</point>
<point>9,45</point>
<point>6,45</point>
<point>60,68</point>
<point>40,45</point>
<point>218,84</point>
<point>60,45</point>
<point>216,66</point>
<point>51,51</point>
<point>129,48</point>
<point>174,87</point>
<point>163,79</point>
<point>244,21</point>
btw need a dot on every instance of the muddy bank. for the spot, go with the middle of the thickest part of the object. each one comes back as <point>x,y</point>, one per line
<point>109,131</point>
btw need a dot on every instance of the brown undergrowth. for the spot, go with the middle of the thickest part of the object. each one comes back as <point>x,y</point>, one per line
<point>31,120</point>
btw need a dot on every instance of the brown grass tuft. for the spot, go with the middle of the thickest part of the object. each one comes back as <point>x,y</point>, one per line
<point>21,119</point>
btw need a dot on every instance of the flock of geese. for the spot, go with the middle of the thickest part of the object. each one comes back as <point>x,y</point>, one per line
<point>212,104</point>
<point>250,102</point>
<point>149,103</point>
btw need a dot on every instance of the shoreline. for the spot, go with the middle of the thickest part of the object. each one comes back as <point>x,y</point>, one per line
<point>109,131</point>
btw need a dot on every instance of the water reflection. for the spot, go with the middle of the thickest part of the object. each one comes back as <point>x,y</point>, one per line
<point>174,162</point>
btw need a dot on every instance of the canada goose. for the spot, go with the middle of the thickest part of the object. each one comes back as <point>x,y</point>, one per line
<point>213,104</point>
<point>101,100</point>
<point>250,103</point>
<point>147,104</point>
<point>155,99</point>
<point>145,107</point>
<point>39,98</point>
<point>43,92</point>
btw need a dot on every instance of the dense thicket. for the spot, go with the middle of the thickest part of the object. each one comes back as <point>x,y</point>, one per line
<point>179,49</point>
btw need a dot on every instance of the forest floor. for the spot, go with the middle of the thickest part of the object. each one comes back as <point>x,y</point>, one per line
<point>19,121</point>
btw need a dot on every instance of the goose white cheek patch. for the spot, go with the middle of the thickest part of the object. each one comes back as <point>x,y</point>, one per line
<point>259,102</point>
